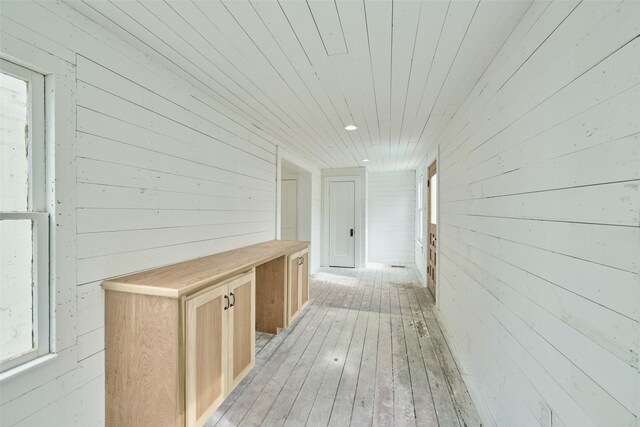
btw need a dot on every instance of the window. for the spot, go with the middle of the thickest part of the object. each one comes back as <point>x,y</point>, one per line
<point>434,199</point>
<point>24,221</point>
<point>420,208</point>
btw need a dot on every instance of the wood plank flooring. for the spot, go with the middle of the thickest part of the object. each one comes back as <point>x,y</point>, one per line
<point>368,350</point>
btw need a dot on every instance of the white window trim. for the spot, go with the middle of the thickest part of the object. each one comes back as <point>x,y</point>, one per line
<point>37,213</point>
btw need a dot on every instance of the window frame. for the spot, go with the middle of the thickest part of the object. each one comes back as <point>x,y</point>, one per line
<point>36,212</point>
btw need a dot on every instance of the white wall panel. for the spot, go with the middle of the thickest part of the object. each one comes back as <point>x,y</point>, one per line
<point>391,217</point>
<point>539,226</point>
<point>164,173</point>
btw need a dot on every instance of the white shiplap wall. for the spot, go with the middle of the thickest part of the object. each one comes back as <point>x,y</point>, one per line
<point>391,217</point>
<point>539,232</point>
<point>163,173</point>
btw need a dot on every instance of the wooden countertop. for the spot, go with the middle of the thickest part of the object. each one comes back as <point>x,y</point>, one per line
<point>176,280</point>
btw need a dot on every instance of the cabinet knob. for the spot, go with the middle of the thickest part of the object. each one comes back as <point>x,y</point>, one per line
<point>226,298</point>
<point>234,299</point>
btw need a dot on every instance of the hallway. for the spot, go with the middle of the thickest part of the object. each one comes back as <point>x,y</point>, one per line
<point>368,350</point>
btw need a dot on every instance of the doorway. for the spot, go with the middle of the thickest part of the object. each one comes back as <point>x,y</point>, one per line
<point>432,185</point>
<point>289,222</point>
<point>342,224</point>
<point>294,213</point>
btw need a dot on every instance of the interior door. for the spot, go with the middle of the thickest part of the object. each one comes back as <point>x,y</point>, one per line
<point>342,224</point>
<point>433,227</point>
<point>242,327</point>
<point>289,223</point>
<point>206,353</point>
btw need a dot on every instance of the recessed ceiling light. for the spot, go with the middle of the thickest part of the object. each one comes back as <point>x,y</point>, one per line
<point>351,127</point>
<point>365,160</point>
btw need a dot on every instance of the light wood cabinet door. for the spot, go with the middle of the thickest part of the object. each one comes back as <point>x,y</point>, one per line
<point>242,328</point>
<point>297,283</point>
<point>303,279</point>
<point>293,287</point>
<point>207,341</point>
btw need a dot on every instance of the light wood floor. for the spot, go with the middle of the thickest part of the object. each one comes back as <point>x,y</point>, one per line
<point>367,350</point>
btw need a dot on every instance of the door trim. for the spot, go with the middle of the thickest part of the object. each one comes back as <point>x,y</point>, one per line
<point>359,212</point>
<point>431,171</point>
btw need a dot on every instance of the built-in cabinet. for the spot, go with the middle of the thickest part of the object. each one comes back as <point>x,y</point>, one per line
<point>179,338</point>
<point>220,344</point>
<point>297,283</point>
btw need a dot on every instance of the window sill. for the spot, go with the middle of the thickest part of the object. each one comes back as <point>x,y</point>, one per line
<point>25,367</point>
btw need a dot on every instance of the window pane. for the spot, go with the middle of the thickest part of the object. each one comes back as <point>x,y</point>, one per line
<point>16,288</point>
<point>14,161</point>
<point>434,199</point>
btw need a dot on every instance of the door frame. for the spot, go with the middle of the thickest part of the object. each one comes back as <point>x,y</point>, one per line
<point>304,192</point>
<point>432,170</point>
<point>359,221</point>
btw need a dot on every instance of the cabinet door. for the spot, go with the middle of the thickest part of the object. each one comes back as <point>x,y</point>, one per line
<point>293,287</point>
<point>303,278</point>
<point>206,336</point>
<point>242,328</point>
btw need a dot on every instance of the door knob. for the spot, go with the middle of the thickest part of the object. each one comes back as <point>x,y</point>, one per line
<point>351,232</point>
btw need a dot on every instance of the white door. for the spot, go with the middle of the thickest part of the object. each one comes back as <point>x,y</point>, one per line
<point>289,224</point>
<point>342,224</point>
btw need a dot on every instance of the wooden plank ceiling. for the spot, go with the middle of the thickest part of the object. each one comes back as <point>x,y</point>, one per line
<point>299,71</point>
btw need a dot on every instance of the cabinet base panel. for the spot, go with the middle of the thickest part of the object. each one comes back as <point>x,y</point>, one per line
<point>271,286</point>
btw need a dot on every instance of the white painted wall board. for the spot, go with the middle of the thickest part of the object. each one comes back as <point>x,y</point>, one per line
<point>289,224</point>
<point>165,173</point>
<point>391,217</point>
<point>539,232</point>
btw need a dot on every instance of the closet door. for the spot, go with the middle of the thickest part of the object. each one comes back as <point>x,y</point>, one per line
<point>242,328</point>
<point>206,336</point>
